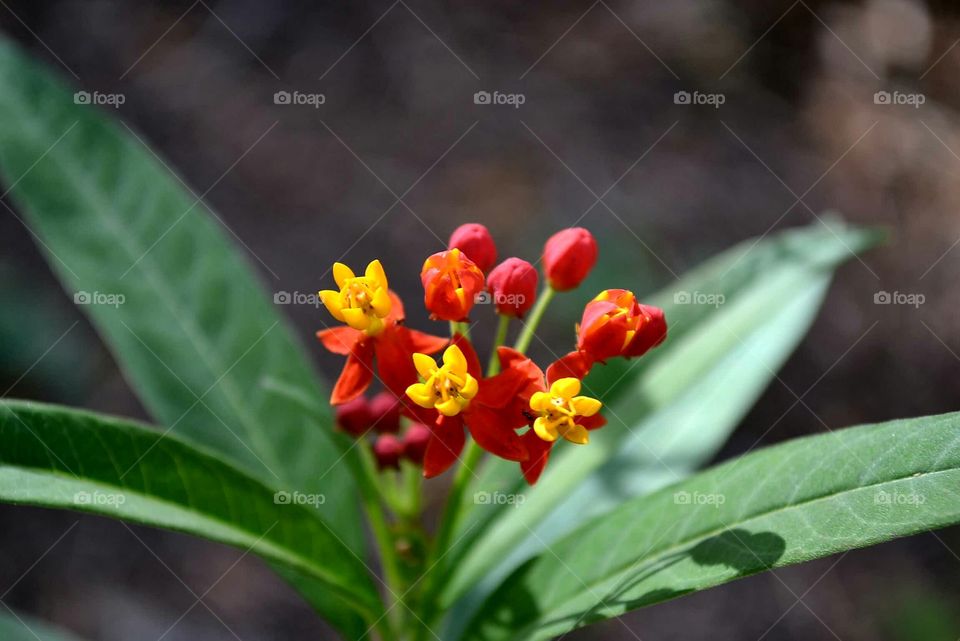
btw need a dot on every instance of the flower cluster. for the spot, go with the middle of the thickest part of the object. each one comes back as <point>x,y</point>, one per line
<point>515,410</point>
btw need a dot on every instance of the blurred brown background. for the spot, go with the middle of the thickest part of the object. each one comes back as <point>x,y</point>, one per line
<point>399,154</point>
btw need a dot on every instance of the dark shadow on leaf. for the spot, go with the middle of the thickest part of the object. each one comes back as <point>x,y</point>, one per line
<point>516,606</point>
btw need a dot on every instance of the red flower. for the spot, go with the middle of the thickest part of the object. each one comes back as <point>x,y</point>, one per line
<point>513,286</point>
<point>461,399</point>
<point>374,333</point>
<point>568,257</point>
<point>451,282</point>
<point>475,241</point>
<point>551,406</point>
<point>615,324</point>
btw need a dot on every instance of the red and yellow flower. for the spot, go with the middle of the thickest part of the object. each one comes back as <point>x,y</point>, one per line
<point>451,282</point>
<point>461,399</point>
<point>615,324</point>
<point>373,334</point>
<point>551,405</point>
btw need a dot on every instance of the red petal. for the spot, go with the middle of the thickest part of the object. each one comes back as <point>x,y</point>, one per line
<point>426,343</point>
<point>576,364</point>
<point>494,433</point>
<point>539,451</point>
<point>340,340</point>
<point>395,359</point>
<point>446,444</point>
<point>497,391</point>
<point>591,422</point>
<point>396,308</point>
<point>357,374</point>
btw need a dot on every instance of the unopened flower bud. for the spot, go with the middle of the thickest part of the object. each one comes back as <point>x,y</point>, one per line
<point>415,442</point>
<point>354,416</point>
<point>475,241</point>
<point>568,257</point>
<point>387,450</point>
<point>450,283</point>
<point>385,413</point>
<point>513,287</point>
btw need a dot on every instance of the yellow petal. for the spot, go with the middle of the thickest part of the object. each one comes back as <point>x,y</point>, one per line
<point>455,360</point>
<point>355,318</point>
<point>586,406</point>
<point>331,300</point>
<point>470,387</point>
<point>341,273</point>
<point>539,401</point>
<point>376,274</point>
<point>376,326</point>
<point>425,365</point>
<point>544,430</point>
<point>421,394</point>
<point>577,434</point>
<point>565,388</point>
<point>381,302</point>
<point>449,407</point>
<point>461,296</point>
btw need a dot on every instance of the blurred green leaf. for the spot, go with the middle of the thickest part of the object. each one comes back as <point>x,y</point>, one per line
<point>54,457</point>
<point>19,627</point>
<point>802,500</point>
<point>672,410</point>
<point>194,333</point>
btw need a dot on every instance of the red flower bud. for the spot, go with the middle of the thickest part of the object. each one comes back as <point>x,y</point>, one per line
<point>475,241</point>
<point>354,416</point>
<point>387,450</point>
<point>568,257</point>
<point>385,413</point>
<point>450,283</point>
<point>513,286</point>
<point>615,324</point>
<point>415,442</point>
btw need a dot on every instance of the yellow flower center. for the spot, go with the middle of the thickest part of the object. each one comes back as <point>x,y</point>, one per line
<point>363,301</point>
<point>559,409</point>
<point>448,388</point>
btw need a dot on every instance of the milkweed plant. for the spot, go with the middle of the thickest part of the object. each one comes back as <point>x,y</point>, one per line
<point>425,495</point>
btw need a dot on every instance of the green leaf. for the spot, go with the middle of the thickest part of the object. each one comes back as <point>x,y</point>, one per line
<point>195,334</point>
<point>20,627</point>
<point>802,500</point>
<point>672,410</point>
<point>55,457</point>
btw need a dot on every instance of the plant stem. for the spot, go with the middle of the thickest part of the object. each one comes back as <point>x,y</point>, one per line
<point>493,367</point>
<point>369,498</point>
<point>523,342</point>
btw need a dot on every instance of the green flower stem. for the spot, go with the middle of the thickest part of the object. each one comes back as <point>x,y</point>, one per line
<point>523,342</point>
<point>370,492</point>
<point>493,367</point>
<point>454,506</point>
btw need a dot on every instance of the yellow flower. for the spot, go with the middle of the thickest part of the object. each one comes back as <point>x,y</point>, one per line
<point>447,388</point>
<point>363,301</point>
<point>559,409</point>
